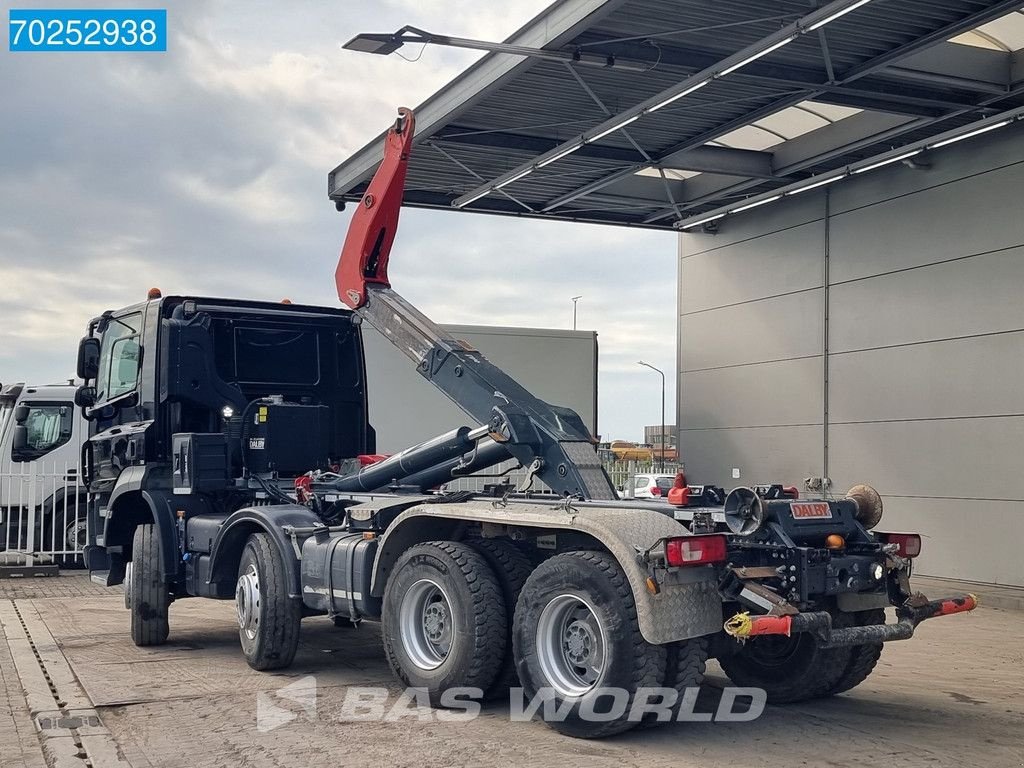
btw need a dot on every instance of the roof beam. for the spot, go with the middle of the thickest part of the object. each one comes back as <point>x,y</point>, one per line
<point>891,90</point>
<point>738,60</point>
<point>820,146</point>
<point>734,162</point>
<point>725,160</point>
<point>865,69</point>
<point>809,151</point>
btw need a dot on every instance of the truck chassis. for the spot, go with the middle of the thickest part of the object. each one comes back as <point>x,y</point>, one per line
<point>222,465</point>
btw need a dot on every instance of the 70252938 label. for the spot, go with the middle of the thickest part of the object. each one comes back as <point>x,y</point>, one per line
<point>87,29</point>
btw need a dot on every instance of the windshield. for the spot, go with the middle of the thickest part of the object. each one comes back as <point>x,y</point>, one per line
<point>120,356</point>
<point>48,426</point>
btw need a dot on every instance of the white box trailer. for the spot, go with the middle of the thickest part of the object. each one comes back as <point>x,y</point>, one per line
<point>42,503</point>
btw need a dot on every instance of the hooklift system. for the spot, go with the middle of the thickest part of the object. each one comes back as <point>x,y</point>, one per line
<point>550,441</point>
<point>230,456</point>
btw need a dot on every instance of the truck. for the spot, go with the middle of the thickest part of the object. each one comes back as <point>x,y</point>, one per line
<point>42,501</point>
<point>230,457</point>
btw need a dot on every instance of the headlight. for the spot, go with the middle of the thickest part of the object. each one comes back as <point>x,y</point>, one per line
<point>877,571</point>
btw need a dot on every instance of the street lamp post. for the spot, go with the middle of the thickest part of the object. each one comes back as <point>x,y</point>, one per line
<point>574,300</point>
<point>661,463</point>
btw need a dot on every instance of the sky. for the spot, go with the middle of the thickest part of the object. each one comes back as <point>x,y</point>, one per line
<point>203,170</point>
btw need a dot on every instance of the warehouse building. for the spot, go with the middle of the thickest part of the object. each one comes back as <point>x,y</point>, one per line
<point>407,409</point>
<point>842,180</point>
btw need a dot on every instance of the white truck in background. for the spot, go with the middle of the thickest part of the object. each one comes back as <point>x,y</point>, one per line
<point>42,503</point>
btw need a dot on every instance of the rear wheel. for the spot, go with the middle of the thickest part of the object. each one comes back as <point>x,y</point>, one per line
<point>513,568</point>
<point>444,620</point>
<point>863,658</point>
<point>268,620</point>
<point>789,669</point>
<point>685,663</point>
<point>147,596</point>
<point>577,643</point>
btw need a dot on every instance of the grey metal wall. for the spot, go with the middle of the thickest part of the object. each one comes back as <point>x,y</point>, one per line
<point>405,409</point>
<point>918,277</point>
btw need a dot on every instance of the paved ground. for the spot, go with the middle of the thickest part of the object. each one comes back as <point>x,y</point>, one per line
<point>952,696</point>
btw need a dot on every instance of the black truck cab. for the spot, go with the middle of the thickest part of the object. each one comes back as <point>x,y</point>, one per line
<point>203,406</point>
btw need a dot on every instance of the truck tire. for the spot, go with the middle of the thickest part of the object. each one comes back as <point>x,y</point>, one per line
<point>512,568</point>
<point>789,669</point>
<point>863,658</point>
<point>577,643</point>
<point>444,621</point>
<point>685,664</point>
<point>149,598</point>
<point>268,620</point>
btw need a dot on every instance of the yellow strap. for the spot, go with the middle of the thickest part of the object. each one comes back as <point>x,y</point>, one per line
<point>739,625</point>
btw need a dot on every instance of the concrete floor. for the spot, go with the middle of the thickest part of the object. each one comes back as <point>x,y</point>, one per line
<point>951,696</point>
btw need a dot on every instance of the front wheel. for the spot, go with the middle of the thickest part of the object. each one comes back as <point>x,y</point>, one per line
<point>578,646</point>
<point>146,595</point>
<point>268,620</point>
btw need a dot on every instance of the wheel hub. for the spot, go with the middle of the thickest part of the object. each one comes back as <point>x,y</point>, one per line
<point>579,643</point>
<point>427,624</point>
<point>571,645</point>
<point>247,601</point>
<point>435,619</point>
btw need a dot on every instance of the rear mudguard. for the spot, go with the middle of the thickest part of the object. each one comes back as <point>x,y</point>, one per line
<point>272,520</point>
<point>691,608</point>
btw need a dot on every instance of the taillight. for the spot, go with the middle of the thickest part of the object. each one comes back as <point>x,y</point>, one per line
<point>696,550</point>
<point>791,492</point>
<point>907,544</point>
<point>655,491</point>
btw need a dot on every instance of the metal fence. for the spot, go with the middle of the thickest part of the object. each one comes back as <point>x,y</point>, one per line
<point>42,512</point>
<point>620,472</point>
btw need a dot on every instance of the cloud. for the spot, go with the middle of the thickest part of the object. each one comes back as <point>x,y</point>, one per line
<point>203,170</point>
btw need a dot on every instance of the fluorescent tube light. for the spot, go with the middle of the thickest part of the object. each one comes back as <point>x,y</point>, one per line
<point>817,184</point>
<point>560,155</point>
<point>836,15</point>
<point>748,206</point>
<point>756,56</point>
<point>473,199</point>
<point>971,134</point>
<point>517,177</point>
<point>678,96</point>
<point>698,222</point>
<point>613,129</point>
<point>890,161</point>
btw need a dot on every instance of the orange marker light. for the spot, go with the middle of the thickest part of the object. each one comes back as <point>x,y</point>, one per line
<point>835,541</point>
<point>154,293</point>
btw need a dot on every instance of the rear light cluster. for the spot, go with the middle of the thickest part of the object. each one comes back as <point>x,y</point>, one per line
<point>907,544</point>
<point>655,491</point>
<point>696,550</point>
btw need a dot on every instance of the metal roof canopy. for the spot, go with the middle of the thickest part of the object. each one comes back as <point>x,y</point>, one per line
<point>881,76</point>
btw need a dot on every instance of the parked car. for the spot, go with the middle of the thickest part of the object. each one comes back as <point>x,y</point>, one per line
<point>652,486</point>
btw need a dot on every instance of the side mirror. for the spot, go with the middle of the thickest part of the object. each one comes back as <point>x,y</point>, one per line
<point>85,397</point>
<point>21,413</point>
<point>88,358</point>
<point>19,443</point>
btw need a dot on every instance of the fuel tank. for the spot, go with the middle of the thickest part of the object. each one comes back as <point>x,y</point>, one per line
<point>336,571</point>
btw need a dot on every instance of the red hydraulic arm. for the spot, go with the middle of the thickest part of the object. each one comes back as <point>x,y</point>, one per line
<point>552,442</point>
<point>364,256</point>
